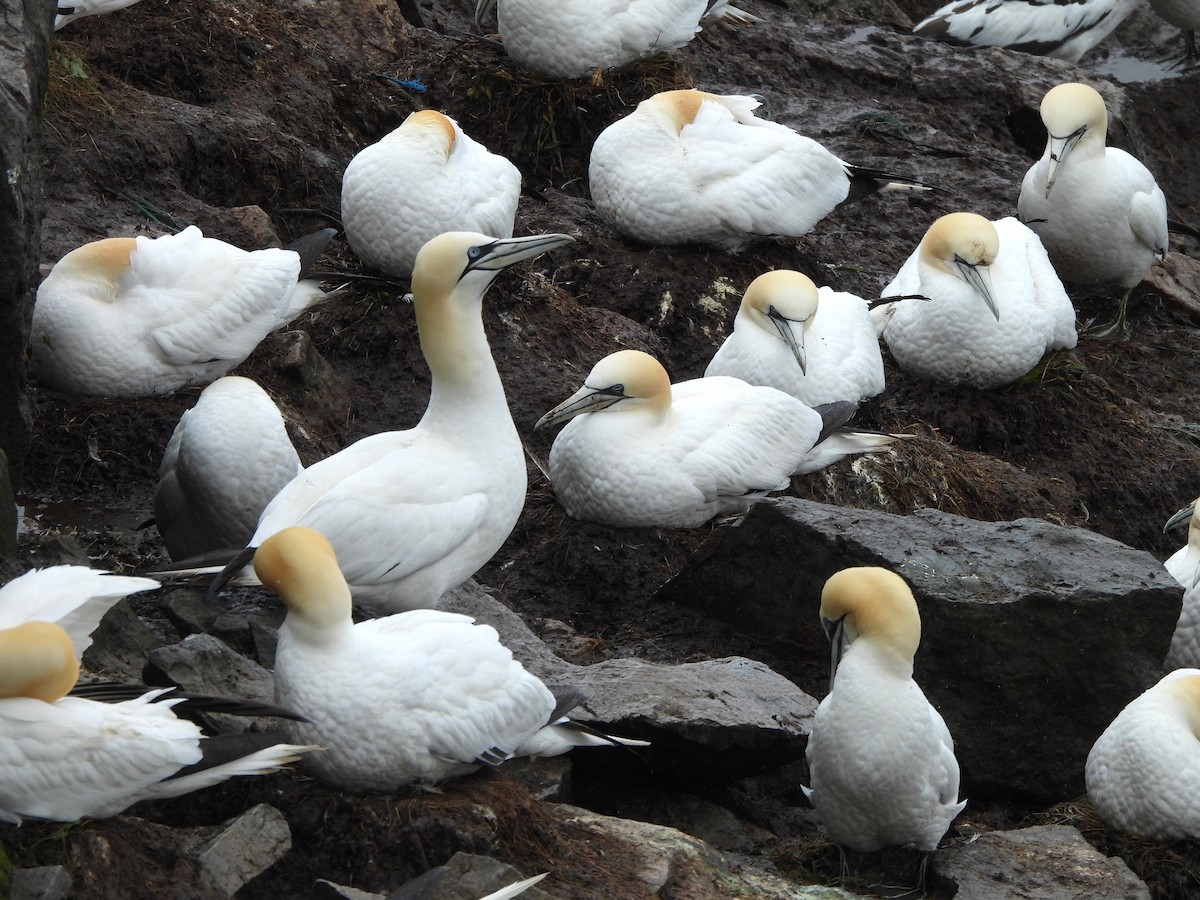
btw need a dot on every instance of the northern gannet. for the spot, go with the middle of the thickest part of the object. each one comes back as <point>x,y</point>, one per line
<point>1184,567</point>
<point>1098,210</point>
<point>692,167</point>
<point>414,513</point>
<point>569,38</point>
<point>136,317</point>
<point>228,457</point>
<point>880,758</point>
<point>819,346</point>
<point>991,305</point>
<point>1184,15</point>
<point>70,10</point>
<point>417,696</point>
<point>422,179</point>
<point>1065,29</point>
<point>1143,772</point>
<point>641,451</point>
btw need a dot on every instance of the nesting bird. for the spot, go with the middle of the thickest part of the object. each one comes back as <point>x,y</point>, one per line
<point>1184,567</point>
<point>881,760</point>
<point>991,304</point>
<point>422,179</point>
<point>819,346</point>
<point>137,317</point>
<point>692,167</point>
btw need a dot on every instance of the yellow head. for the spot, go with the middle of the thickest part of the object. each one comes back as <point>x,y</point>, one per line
<point>37,660</point>
<point>300,566</point>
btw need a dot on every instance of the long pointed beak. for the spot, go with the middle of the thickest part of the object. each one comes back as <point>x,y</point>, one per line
<point>1184,515</point>
<point>835,630</point>
<point>980,278</point>
<point>784,326</point>
<point>1059,148</point>
<point>482,9</point>
<point>504,252</point>
<point>584,400</point>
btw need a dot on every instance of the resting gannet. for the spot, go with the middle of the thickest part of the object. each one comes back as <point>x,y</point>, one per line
<point>568,38</point>
<point>228,457</point>
<point>990,305</point>
<point>1184,567</point>
<point>819,346</point>
<point>640,451</point>
<point>692,167</point>
<point>417,696</point>
<point>136,317</point>
<point>880,758</point>
<point>414,513</point>
<point>1143,773</point>
<point>1184,15</point>
<point>1064,29</point>
<point>70,10</point>
<point>424,178</point>
<point>1098,211</point>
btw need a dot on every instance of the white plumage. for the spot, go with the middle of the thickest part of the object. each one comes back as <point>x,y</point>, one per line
<point>1184,567</point>
<point>994,307</point>
<point>880,758</point>
<point>422,179</point>
<point>819,346</point>
<point>136,317</point>
<point>228,457</point>
<point>70,10</point>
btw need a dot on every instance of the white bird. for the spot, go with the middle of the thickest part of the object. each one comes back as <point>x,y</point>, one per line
<point>1184,15</point>
<point>417,696</point>
<point>569,38</point>
<point>692,167</point>
<point>880,758</point>
<point>414,513</point>
<point>1184,567</point>
<point>70,10</point>
<point>136,317</point>
<point>819,346</point>
<point>228,457</point>
<point>1143,772</point>
<point>991,305</point>
<point>641,451</point>
<point>1064,29</point>
<point>422,179</point>
<point>1098,210</point>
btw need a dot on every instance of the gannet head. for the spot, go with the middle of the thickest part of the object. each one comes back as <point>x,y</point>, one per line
<point>299,565</point>
<point>1182,688</point>
<point>782,302</point>
<point>676,108</point>
<point>101,262</point>
<point>631,378</point>
<point>433,123</point>
<point>1190,515</point>
<point>873,604</point>
<point>964,245</point>
<point>37,660</point>
<point>1071,113</point>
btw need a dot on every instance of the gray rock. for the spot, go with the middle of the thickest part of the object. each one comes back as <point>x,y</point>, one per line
<point>41,883</point>
<point>205,664</point>
<point>244,848</point>
<point>713,824</point>
<point>121,644</point>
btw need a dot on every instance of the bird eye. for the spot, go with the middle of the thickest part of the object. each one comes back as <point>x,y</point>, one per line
<point>475,253</point>
<point>616,390</point>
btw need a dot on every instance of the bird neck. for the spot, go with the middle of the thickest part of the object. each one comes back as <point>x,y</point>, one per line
<point>465,379</point>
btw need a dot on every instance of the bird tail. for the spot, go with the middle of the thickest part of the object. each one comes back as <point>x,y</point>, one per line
<point>515,889</point>
<point>724,12</point>
<point>563,735</point>
<point>864,181</point>
<point>843,443</point>
<point>229,755</point>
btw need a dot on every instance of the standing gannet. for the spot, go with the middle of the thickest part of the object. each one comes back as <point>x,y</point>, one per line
<point>568,38</point>
<point>640,451</point>
<point>880,758</point>
<point>424,178</point>
<point>1143,773</point>
<point>417,696</point>
<point>1184,567</point>
<point>1098,211</point>
<point>1184,15</point>
<point>819,346</point>
<point>136,317</point>
<point>990,305</point>
<point>228,457</point>
<point>692,167</point>
<point>415,513</point>
<point>1064,29</point>
<point>70,10</point>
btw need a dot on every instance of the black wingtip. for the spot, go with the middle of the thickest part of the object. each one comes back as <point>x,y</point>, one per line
<point>310,247</point>
<point>235,565</point>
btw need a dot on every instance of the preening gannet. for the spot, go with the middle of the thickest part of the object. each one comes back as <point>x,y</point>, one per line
<point>422,179</point>
<point>1098,210</point>
<point>414,513</point>
<point>640,451</point>
<point>417,696</point>
<point>568,38</point>
<point>228,457</point>
<point>819,346</point>
<point>1184,567</point>
<point>880,758</point>
<point>136,317</point>
<point>70,10</point>
<point>1143,773</point>
<point>994,305</point>
<point>692,167</point>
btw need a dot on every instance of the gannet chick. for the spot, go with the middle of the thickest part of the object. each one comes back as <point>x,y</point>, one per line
<point>70,10</point>
<point>1099,212</point>
<point>692,167</point>
<point>880,758</point>
<point>569,38</point>
<point>1143,773</point>
<point>418,696</point>
<point>640,451</point>
<point>424,178</point>
<point>817,345</point>
<point>414,513</point>
<point>1184,567</point>
<point>137,317</point>
<point>1184,15</point>
<point>1064,30</point>
<point>994,305</point>
<point>228,457</point>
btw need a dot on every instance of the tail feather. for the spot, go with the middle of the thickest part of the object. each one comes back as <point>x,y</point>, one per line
<point>864,181</point>
<point>225,757</point>
<point>515,889</point>
<point>844,443</point>
<point>562,736</point>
